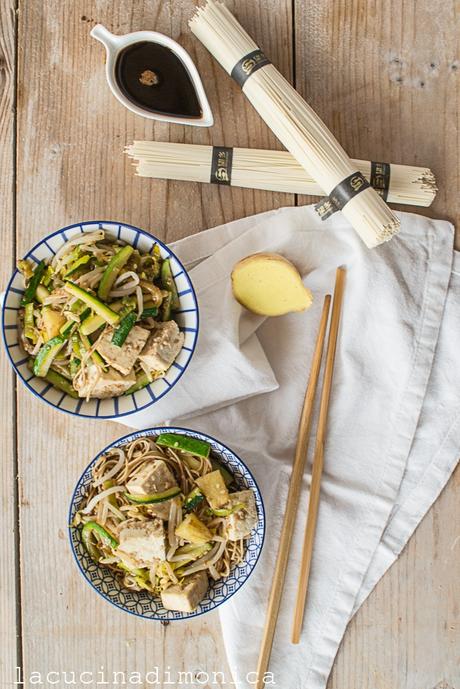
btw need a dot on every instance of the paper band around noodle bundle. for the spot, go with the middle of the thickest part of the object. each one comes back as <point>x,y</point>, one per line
<point>221,165</point>
<point>380,178</point>
<point>346,190</point>
<point>248,64</point>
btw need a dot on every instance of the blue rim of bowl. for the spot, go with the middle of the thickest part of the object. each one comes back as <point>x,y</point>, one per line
<point>137,434</point>
<point>152,401</point>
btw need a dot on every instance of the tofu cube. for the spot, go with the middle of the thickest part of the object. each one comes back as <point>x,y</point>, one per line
<point>214,489</point>
<point>162,347</point>
<point>161,509</point>
<point>122,358</point>
<point>193,530</point>
<point>185,597</point>
<point>154,477</point>
<point>144,540</point>
<point>102,384</point>
<point>240,524</point>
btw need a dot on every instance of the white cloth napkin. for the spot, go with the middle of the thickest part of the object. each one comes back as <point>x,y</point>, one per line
<point>394,426</point>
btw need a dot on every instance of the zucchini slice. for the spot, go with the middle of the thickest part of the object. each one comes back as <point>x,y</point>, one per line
<point>197,447</point>
<point>93,302</point>
<point>142,381</point>
<point>226,511</point>
<point>154,497</point>
<point>87,532</point>
<point>47,353</point>
<point>113,270</point>
<point>167,282</point>
<point>29,294</point>
<point>124,328</point>
<point>193,499</point>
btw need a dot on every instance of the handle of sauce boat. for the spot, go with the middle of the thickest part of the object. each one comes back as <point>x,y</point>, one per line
<point>109,40</point>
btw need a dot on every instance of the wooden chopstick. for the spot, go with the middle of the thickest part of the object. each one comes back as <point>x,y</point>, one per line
<point>318,459</point>
<point>295,485</point>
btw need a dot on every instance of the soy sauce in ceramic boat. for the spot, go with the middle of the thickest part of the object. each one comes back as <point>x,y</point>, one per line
<point>152,77</point>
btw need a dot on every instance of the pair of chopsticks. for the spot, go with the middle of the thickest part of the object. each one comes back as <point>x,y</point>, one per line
<point>296,480</point>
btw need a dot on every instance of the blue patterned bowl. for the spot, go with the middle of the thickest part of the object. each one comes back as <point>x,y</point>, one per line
<point>187,318</point>
<point>144,604</point>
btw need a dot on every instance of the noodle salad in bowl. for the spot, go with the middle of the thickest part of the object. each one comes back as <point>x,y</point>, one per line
<point>100,319</point>
<point>166,523</point>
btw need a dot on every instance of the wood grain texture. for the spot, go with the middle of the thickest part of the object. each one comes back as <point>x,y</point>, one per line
<point>385,78</point>
<point>75,169</point>
<point>9,587</point>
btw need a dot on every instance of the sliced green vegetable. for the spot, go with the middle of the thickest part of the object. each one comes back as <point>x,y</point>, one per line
<point>149,311</point>
<point>226,475</point>
<point>123,330</point>
<point>166,310</point>
<point>154,497</point>
<point>142,380</point>
<point>70,324</point>
<point>193,499</point>
<point>91,529</point>
<point>142,580</point>
<point>75,364</point>
<point>86,313</point>
<point>196,551</point>
<point>29,323</point>
<point>113,270</point>
<point>128,304</point>
<point>192,462</point>
<point>34,281</point>
<point>41,293</point>
<point>93,323</point>
<point>47,276</point>
<point>46,355</point>
<point>167,282</point>
<point>110,498</point>
<point>90,300</point>
<point>156,267</point>
<point>185,443</point>
<point>193,550</point>
<point>95,356</point>
<point>67,328</point>
<point>76,345</point>
<point>25,268</point>
<point>226,511</point>
<point>82,261</point>
<point>56,380</point>
<point>136,572</point>
<point>78,306</point>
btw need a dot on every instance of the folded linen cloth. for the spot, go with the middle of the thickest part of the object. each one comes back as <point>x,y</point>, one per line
<point>394,428</point>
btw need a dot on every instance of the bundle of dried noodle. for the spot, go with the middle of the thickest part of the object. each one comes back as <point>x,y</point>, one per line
<point>271,170</point>
<point>295,124</point>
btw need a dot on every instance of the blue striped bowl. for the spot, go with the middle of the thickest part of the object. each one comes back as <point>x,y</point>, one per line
<point>187,317</point>
<point>142,603</point>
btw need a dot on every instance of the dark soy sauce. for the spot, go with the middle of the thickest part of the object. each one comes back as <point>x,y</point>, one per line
<point>154,78</point>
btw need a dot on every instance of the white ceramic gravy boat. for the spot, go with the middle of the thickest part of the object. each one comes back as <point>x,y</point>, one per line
<point>115,44</point>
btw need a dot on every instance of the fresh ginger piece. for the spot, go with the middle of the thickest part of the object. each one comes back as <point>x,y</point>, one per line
<point>269,285</point>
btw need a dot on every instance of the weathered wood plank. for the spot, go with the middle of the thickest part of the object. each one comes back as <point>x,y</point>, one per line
<point>9,584</point>
<point>385,78</point>
<point>71,134</point>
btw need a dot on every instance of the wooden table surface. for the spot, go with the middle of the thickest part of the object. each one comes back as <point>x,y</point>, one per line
<point>385,77</point>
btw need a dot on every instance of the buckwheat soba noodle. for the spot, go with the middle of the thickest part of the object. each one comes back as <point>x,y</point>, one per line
<point>166,517</point>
